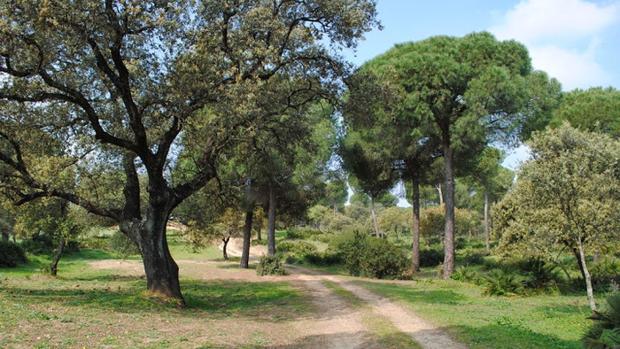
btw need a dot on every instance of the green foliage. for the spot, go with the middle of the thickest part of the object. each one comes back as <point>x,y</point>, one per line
<point>270,265</point>
<point>297,249</point>
<point>596,109</point>
<point>605,332</point>
<point>498,282</point>
<point>466,274</point>
<point>325,258</point>
<point>381,259</point>
<point>432,222</point>
<point>369,256</point>
<point>11,254</point>
<point>38,244</point>
<point>605,273</point>
<point>119,243</point>
<point>302,233</point>
<point>431,257</point>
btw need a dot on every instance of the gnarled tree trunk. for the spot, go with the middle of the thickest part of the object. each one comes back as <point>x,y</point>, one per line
<point>448,262</point>
<point>271,223</point>
<point>415,224</point>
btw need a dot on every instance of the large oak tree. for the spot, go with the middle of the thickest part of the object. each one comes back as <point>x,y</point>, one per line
<point>117,83</point>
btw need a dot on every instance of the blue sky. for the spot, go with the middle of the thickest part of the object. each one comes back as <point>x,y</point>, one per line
<point>575,41</point>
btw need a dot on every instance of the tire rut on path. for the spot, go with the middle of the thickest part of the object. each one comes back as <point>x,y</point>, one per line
<point>426,334</point>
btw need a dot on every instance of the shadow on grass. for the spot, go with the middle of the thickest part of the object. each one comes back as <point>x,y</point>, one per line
<point>218,298</point>
<point>412,294</point>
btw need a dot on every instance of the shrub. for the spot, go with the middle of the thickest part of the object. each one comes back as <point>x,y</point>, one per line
<point>605,273</point>
<point>381,259</point>
<point>431,257</point>
<point>122,245</point>
<point>11,254</point>
<point>38,244</point>
<point>301,233</point>
<point>605,332</point>
<point>323,258</point>
<point>270,265</point>
<point>296,248</point>
<point>500,283</point>
<point>466,274</point>
<point>350,247</point>
<point>539,274</point>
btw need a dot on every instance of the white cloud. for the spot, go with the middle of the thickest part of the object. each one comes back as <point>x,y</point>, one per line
<point>552,29</point>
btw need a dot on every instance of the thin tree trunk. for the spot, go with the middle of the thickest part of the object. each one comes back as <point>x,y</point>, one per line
<point>579,262</point>
<point>57,256</point>
<point>373,217</point>
<point>259,227</point>
<point>486,221</point>
<point>588,280</point>
<point>224,247</point>
<point>415,226</point>
<point>247,237</point>
<point>448,262</point>
<point>5,235</point>
<point>271,223</point>
<point>439,193</point>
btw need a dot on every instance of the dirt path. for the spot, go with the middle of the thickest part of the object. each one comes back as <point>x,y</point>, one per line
<point>426,334</point>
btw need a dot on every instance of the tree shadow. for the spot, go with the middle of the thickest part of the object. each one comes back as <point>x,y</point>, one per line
<point>219,298</point>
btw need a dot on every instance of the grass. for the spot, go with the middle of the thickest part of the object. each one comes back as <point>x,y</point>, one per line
<point>85,307</point>
<point>542,321</point>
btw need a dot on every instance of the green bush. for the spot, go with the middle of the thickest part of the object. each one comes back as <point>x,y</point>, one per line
<point>38,244</point>
<point>381,259</point>
<point>605,273</point>
<point>296,248</point>
<point>501,283</point>
<point>11,254</point>
<point>605,332</point>
<point>431,257</point>
<point>119,243</point>
<point>270,265</point>
<point>538,273</point>
<point>301,233</point>
<point>466,274</point>
<point>350,247</point>
<point>323,258</point>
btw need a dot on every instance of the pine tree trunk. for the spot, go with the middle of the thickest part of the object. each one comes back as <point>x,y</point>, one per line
<point>247,237</point>
<point>57,256</point>
<point>487,237</point>
<point>271,224</point>
<point>373,217</point>
<point>448,263</point>
<point>224,247</point>
<point>588,280</point>
<point>415,226</point>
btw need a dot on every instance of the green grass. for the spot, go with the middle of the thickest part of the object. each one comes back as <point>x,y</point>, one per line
<point>543,321</point>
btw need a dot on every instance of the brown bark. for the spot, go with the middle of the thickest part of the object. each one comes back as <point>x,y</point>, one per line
<point>448,262</point>
<point>57,256</point>
<point>247,237</point>
<point>373,217</point>
<point>487,237</point>
<point>415,226</point>
<point>271,224</point>
<point>224,247</point>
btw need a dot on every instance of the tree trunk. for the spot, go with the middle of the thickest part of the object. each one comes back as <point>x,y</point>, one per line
<point>579,263</point>
<point>439,193</point>
<point>587,278</point>
<point>448,262</point>
<point>486,222</point>
<point>373,217</point>
<point>57,256</point>
<point>415,226</point>
<point>5,235</point>
<point>271,224</point>
<point>224,246</point>
<point>162,272</point>
<point>247,237</point>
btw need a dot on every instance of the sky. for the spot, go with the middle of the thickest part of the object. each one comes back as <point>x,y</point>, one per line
<point>575,41</point>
